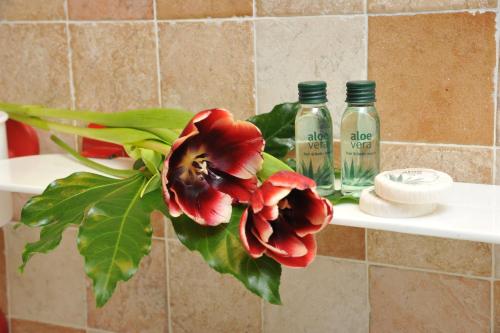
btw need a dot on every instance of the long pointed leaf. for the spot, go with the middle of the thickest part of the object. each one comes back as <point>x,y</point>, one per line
<point>115,236</point>
<point>63,203</point>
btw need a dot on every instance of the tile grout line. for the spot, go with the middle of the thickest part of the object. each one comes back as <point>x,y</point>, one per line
<point>157,41</point>
<point>7,279</point>
<point>451,145</point>
<point>492,289</point>
<point>167,277</point>
<point>71,80</point>
<point>257,18</point>
<point>495,96</point>
<point>255,73</point>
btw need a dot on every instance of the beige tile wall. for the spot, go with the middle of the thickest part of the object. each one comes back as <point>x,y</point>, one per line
<point>435,62</point>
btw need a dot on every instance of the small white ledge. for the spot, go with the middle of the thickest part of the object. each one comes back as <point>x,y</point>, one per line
<point>471,212</point>
<point>32,174</point>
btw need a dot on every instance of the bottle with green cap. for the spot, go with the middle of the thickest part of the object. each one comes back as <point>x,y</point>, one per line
<point>360,138</point>
<point>314,136</point>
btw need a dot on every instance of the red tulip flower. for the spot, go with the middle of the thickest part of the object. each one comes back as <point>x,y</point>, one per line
<point>284,214</point>
<point>212,164</point>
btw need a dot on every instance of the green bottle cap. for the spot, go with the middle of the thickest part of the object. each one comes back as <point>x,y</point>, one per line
<point>360,91</point>
<point>312,92</point>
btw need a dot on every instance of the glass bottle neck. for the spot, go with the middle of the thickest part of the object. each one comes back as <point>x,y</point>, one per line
<point>313,105</point>
<point>364,104</point>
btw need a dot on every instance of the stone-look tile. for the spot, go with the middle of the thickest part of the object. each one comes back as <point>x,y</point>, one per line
<point>439,89</point>
<point>52,287</point>
<point>496,248</point>
<point>395,6</point>
<point>207,65</point>
<point>26,326</point>
<point>34,69</point>
<point>158,223</point>
<point>409,301</point>
<point>110,9</point>
<point>114,66</point>
<point>328,296</point>
<point>169,230</point>
<point>32,10</point>
<point>326,48</point>
<point>308,7</point>
<point>341,241</point>
<point>202,300</point>
<point>138,305</point>
<point>3,276</point>
<point>449,255</point>
<point>18,202</point>
<point>470,165</point>
<point>173,9</point>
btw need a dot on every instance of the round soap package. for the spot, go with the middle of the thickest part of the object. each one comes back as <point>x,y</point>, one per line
<point>371,204</point>
<point>413,186</point>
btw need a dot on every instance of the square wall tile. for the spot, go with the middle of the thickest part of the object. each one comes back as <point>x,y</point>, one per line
<point>52,287</point>
<point>174,9</point>
<point>395,6</point>
<point>449,255</point>
<point>470,165</point>
<point>34,69</point>
<point>410,301</point>
<point>114,66</point>
<point>32,10</point>
<point>308,7</point>
<point>328,296</point>
<point>440,87</point>
<point>342,242</point>
<point>110,9</point>
<point>138,305</point>
<point>26,326</point>
<point>203,300</point>
<point>208,65</point>
<point>331,49</point>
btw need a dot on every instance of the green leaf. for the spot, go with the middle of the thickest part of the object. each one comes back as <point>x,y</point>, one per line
<point>222,249</point>
<point>145,118</point>
<point>115,236</point>
<point>64,203</point>
<point>278,128</point>
<point>151,159</point>
<point>338,198</point>
<point>270,166</point>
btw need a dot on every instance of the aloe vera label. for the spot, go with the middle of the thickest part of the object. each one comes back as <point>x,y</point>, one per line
<point>361,143</point>
<point>314,149</point>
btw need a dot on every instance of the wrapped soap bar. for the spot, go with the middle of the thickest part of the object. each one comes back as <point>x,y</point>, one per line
<point>412,186</point>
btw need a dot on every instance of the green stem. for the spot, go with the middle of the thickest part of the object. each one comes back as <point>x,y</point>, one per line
<point>91,164</point>
<point>113,135</point>
<point>144,118</point>
<point>157,146</point>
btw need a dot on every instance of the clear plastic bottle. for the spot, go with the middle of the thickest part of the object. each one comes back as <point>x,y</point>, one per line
<point>314,136</point>
<point>360,138</point>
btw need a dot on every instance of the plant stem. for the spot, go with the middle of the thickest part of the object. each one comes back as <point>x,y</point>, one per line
<point>157,146</point>
<point>91,164</point>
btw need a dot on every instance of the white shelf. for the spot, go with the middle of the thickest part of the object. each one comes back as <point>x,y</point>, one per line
<point>471,212</point>
<point>32,174</point>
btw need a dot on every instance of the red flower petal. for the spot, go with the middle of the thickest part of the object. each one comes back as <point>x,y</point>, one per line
<point>292,180</point>
<point>204,205</point>
<point>310,244</point>
<point>235,146</point>
<point>250,243</point>
<point>262,227</point>
<point>284,241</point>
<point>237,188</point>
<point>271,194</point>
